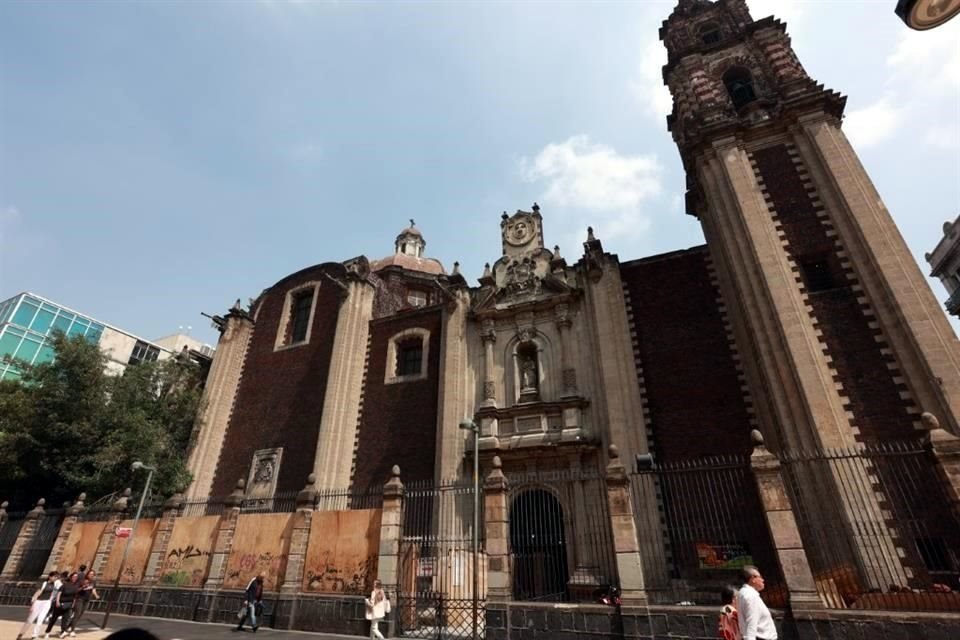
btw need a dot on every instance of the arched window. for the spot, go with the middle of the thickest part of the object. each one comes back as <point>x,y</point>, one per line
<point>709,33</point>
<point>739,85</point>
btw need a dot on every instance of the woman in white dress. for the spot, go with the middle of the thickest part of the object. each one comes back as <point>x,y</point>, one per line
<point>378,606</point>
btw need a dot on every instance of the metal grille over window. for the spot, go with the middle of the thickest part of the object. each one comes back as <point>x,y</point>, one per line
<point>410,357</point>
<point>300,320</point>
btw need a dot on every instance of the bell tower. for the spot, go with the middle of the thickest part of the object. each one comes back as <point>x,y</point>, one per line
<point>842,339</point>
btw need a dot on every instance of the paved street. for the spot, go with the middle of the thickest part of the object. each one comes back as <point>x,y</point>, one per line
<point>12,617</point>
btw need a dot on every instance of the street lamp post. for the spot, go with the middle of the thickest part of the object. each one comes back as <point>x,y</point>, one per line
<point>126,548</point>
<point>470,425</point>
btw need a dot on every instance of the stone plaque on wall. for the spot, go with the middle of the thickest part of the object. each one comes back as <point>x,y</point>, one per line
<point>262,479</point>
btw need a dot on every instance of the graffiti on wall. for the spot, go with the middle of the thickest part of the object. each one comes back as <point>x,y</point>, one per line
<point>342,551</point>
<point>188,552</point>
<point>259,546</point>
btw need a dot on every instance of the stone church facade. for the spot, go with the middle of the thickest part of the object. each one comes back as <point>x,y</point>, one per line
<point>804,316</point>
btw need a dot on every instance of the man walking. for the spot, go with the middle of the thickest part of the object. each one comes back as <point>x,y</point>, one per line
<point>252,603</point>
<point>756,623</point>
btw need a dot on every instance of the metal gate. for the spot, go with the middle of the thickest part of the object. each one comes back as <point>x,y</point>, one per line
<point>438,567</point>
<point>8,536</point>
<point>38,549</point>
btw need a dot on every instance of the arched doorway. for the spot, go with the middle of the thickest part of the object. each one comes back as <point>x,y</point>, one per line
<point>538,546</point>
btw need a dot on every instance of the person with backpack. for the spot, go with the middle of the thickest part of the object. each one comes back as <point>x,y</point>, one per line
<point>40,605</point>
<point>63,605</point>
<point>728,626</point>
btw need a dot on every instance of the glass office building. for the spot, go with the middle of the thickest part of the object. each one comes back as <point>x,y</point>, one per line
<point>26,324</point>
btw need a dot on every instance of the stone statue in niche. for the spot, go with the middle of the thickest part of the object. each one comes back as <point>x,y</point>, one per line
<point>529,375</point>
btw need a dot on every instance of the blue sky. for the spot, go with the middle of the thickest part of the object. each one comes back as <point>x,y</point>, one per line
<point>162,159</point>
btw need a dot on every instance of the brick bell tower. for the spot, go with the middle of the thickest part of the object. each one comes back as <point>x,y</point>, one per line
<point>842,339</point>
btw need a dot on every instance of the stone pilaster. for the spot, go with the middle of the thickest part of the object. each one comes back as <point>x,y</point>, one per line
<point>161,541</point>
<point>488,336</point>
<point>946,449</point>
<point>568,373</point>
<point>388,562</point>
<point>27,530</point>
<point>300,537</point>
<point>499,583</point>
<point>341,404</point>
<point>784,532</point>
<point>624,528</point>
<point>108,537</point>
<point>456,388</point>
<point>224,542</point>
<point>217,402</point>
<point>70,520</point>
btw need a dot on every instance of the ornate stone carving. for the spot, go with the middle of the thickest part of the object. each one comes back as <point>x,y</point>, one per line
<point>569,381</point>
<point>489,390</point>
<point>264,472</point>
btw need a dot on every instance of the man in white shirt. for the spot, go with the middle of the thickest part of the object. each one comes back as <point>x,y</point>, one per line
<point>756,623</point>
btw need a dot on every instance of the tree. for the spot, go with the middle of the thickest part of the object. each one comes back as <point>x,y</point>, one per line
<point>68,427</point>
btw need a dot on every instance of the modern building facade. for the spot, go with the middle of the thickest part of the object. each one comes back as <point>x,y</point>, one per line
<point>944,263</point>
<point>804,317</point>
<point>27,321</point>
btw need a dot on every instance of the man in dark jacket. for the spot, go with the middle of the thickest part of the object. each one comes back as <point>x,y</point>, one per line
<point>252,603</point>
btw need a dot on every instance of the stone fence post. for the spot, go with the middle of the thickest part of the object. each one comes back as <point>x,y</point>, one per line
<point>224,542</point>
<point>108,536</point>
<point>624,527</point>
<point>3,515</point>
<point>70,519</point>
<point>299,537</point>
<point>388,561</point>
<point>782,525</point>
<point>161,541</point>
<point>495,486</point>
<point>29,528</point>
<point>946,449</point>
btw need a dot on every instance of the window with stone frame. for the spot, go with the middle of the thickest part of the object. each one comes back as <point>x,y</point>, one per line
<point>816,274</point>
<point>709,33</point>
<point>300,307</point>
<point>417,298</point>
<point>410,356</point>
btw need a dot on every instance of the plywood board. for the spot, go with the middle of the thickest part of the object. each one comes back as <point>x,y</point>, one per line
<point>188,553</point>
<point>140,542</point>
<point>342,552</point>
<point>259,546</point>
<point>81,546</point>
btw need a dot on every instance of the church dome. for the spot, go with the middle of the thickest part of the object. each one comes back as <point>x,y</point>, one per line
<point>409,254</point>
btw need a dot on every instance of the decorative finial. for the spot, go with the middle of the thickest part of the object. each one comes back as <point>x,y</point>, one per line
<point>241,484</point>
<point>929,421</point>
<point>486,270</point>
<point>756,438</point>
<point>81,498</point>
<point>4,505</point>
<point>497,462</point>
<point>504,216</point>
<point>395,471</point>
<point>41,502</point>
<point>556,252</point>
<point>590,237</point>
<point>613,452</point>
<point>456,268</point>
<point>236,306</point>
<point>536,208</point>
<point>127,492</point>
<point>311,480</point>
<point>412,223</point>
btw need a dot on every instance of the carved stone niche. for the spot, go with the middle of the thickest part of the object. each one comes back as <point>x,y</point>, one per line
<point>262,480</point>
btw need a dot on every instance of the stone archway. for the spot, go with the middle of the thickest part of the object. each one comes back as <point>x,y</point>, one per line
<point>538,546</point>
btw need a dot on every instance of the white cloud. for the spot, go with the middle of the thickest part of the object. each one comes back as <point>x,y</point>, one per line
<point>648,87</point>
<point>872,124</point>
<point>591,184</point>
<point>943,136</point>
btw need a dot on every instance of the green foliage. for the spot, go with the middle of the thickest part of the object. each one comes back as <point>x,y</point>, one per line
<point>67,426</point>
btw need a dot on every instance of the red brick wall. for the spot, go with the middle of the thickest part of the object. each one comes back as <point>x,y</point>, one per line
<point>399,421</point>
<point>280,398</point>
<point>692,392</point>
<point>874,399</point>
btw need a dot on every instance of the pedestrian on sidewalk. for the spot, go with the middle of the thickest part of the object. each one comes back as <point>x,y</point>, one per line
<point>253,605</point>
<point>756,623</point>
<point>63,605</point>
<point>378,606</point>
<point>729,623</point>
<point>40,605</point>
<point>87,589</point>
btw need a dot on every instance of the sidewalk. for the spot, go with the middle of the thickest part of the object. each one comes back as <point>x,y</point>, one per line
<point>11,618</point>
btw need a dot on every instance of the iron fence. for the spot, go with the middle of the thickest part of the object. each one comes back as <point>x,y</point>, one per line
<point>878,527</point>
<point>437,566</point>
<point>560,542</point>
<point>8,535</point>
<point>699,522</point>
<point>40,544</point>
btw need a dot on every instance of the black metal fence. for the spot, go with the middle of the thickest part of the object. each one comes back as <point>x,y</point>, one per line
<point>699,522</point>
<point>38,548</point>
<point>560,542</point>
<point>437,567</point>
<point>8,535</point>
<point>878,527</point>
